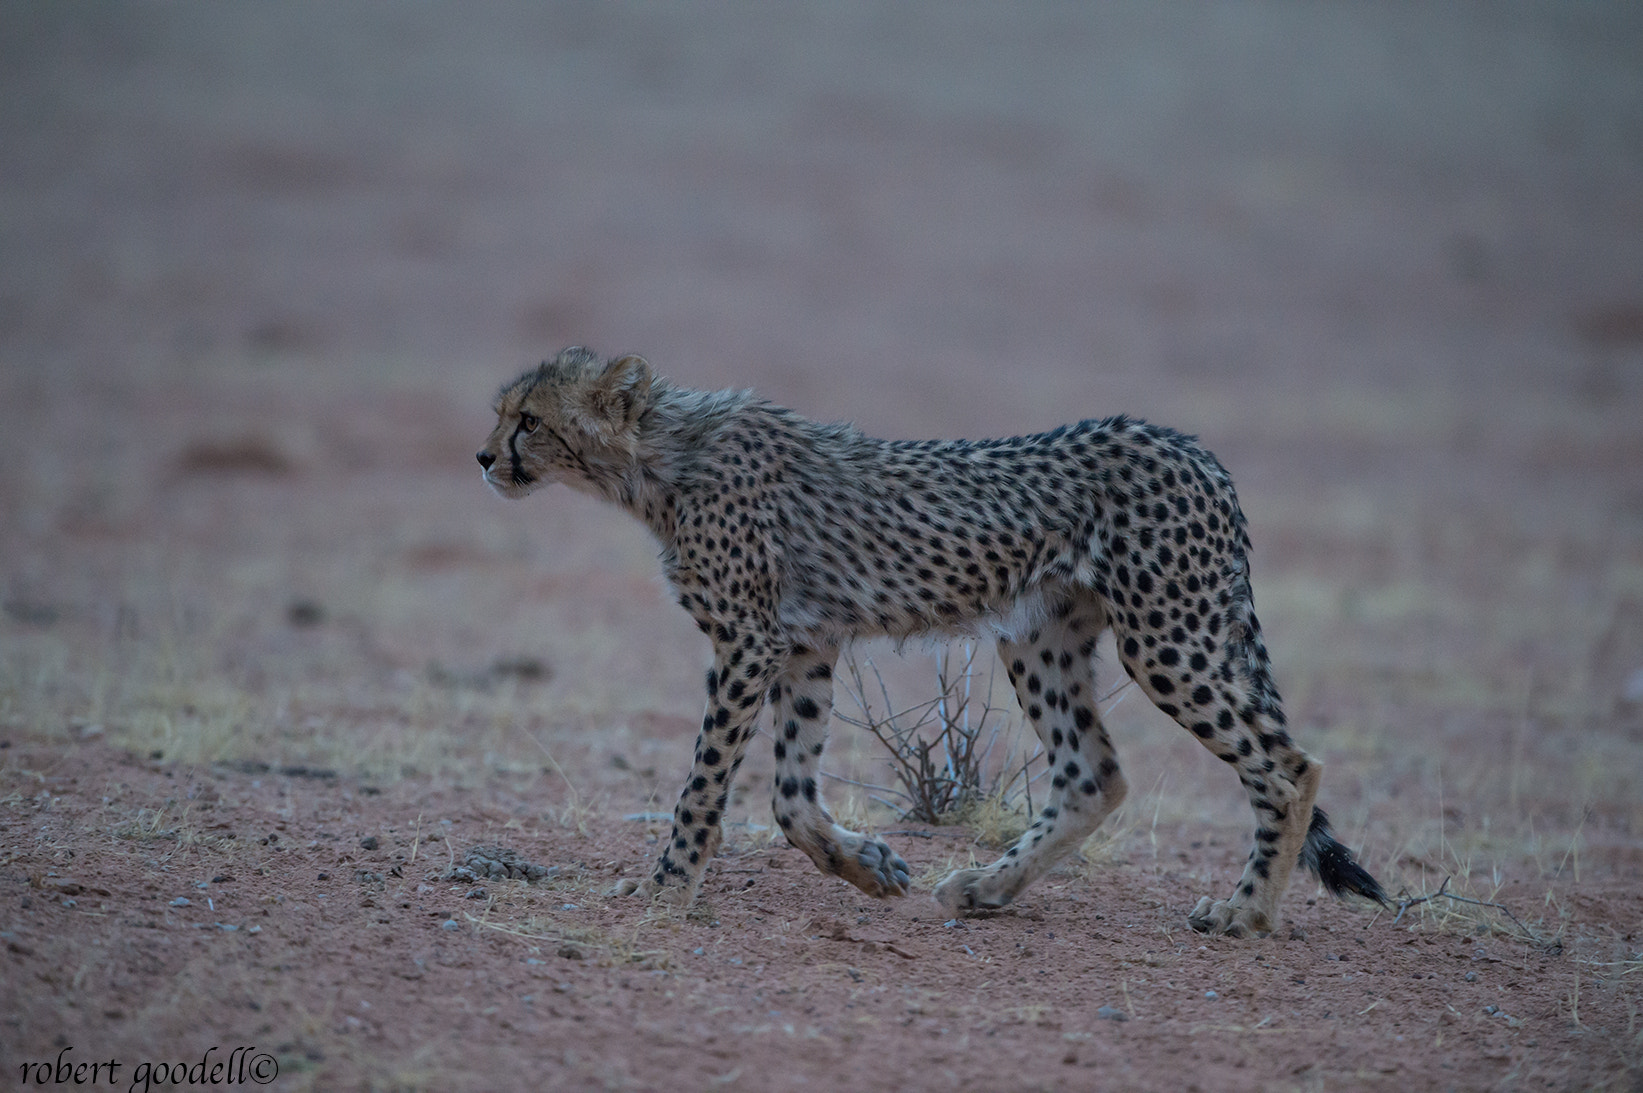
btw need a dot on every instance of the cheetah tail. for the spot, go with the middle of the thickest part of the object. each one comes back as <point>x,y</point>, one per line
<point>1333,863</point>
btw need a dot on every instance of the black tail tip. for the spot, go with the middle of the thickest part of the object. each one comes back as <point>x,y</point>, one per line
<point>1334,865</point>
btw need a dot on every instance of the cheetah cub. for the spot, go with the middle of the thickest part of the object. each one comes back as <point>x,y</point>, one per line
<point>785,538</point>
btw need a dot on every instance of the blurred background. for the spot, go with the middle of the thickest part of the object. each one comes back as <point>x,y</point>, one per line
<point>263,265</point>
<point>1032,211</point>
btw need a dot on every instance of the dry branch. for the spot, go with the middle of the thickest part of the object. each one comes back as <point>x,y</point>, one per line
<point>1407,901</point>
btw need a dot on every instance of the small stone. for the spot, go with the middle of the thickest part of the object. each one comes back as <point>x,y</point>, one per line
<point>1633,691</point>
<point>369,842</point>
<point>498,863</point>
<point>182,901</point>
<point>524,669</point>
<point>304,613</point>
<point>1470,977</point>
<point>1111,1013</point>
<point>1211,995</point>
<point>450,924</point>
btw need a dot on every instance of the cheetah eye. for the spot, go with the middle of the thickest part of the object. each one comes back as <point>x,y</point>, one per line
<point>529,422</point>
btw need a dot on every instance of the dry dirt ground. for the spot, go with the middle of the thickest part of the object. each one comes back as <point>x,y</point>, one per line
<point>272,662</point>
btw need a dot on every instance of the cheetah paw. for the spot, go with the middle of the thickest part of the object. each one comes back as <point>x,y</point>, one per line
<point>864,861</point>
<point>970,890</point>
<point>1228,918</point>
<point>676,895</point>
<point>879,870</point>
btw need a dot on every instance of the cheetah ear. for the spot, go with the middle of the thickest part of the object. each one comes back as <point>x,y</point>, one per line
<point>617,397</point>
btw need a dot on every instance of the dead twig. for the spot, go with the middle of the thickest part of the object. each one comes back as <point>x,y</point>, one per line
<point>940,771</point>
<point>944,752</point>
<point>1407,901</point>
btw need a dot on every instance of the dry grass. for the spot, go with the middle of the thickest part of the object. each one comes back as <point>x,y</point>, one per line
<point>962,755</point>
<point>545,932</point>
<point>170,697</point>
<point>940,748</point>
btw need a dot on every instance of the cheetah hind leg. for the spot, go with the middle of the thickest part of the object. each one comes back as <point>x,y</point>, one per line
<point>1252,909</point>
<point>1054,680</point>
<point>989,887</point>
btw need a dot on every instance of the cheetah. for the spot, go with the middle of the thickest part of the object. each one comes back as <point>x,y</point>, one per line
<point>785,539</point>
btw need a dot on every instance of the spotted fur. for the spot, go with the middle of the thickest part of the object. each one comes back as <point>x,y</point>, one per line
<point>785,539</point>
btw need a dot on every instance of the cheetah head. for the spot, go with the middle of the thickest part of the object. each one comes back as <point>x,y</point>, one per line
<point>574,420</point>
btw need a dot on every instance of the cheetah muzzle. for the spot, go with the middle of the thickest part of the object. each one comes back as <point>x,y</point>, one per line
<point>785,539</point>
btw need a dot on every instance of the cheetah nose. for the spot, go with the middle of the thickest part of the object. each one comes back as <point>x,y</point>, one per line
<point>485,459</point>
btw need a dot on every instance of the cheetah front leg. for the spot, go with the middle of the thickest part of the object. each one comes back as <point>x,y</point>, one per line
<point>745,664</point>
<point>803,699</point>
<point>1054,679</point>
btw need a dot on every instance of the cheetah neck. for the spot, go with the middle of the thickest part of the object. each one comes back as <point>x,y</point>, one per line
<point>672,437</point>
<point>631,482</point>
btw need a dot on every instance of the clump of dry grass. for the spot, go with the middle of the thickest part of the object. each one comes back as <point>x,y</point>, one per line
<point>939,747</point>
<point>570,941</point>
<point>997,821</point>
<point>951,755</point>
<point>182,686</point>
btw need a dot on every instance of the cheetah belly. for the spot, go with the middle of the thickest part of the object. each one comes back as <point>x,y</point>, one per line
<point>862,607</point>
